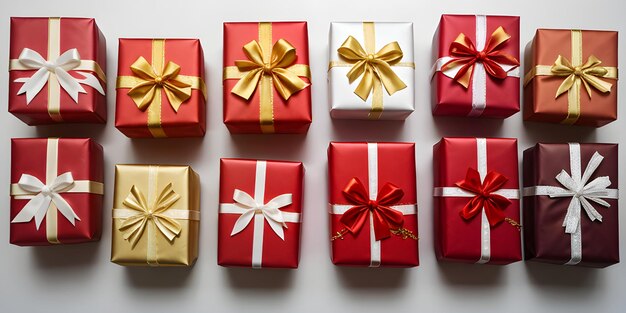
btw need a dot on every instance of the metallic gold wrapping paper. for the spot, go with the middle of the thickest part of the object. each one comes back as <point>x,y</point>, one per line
<point>152,247</point>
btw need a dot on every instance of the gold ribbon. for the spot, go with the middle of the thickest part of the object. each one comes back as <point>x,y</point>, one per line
<point>79,186</point>
<point>149,80</point>
<point>54,51</point>
<point>576,75</point>
<point>268,66</point>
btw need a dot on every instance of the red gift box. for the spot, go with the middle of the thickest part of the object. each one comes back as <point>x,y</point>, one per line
<point>160,88</point>
<point>260,213</point>
<point>477,66</point>
<point>266,77</point>
<point>73,89</point>
<point>373,204</point>
<point>476,200</point>
<point>56,191</point>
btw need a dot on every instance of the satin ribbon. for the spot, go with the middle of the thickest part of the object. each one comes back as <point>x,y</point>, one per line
<point>249,208</point>
<point>577,74</point>
<point>46,199</point>
<point>268,66</point>
<point>487,197</point>
<point>582,191</point>
<point>384,211</point>
<point>151,80</point>
<point>54,71</point>
<point>469,63</point>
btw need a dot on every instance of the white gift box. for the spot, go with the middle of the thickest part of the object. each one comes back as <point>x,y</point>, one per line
<point>345,103</point>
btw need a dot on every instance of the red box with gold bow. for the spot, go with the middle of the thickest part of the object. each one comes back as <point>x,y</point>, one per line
<point>160,88</point>
<point>373,204</point>
<point>260,213</point>
<point>56,191</point>
<point>267,77</point>
<point>476,200</point>
<point>476,71</point>
<point>571,77</point>
<point>57,71</point>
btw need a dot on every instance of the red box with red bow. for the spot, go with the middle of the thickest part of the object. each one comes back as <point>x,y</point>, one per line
<point>260,213</point>
<point>56,191</point>
<point>373,204</point>
<point>57,70</point>
<point>476,70</point>
<point>476,200</point>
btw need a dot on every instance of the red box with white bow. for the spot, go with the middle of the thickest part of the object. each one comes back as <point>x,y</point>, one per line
<point>476,71</point>
<point>476,200</point>
<point>56,191</point>
<point>260,213</point>
<point>373,204</point>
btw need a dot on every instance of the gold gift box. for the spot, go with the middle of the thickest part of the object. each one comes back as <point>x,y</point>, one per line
<point>156,212</point>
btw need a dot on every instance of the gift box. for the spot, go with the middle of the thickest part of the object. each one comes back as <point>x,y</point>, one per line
<point>54,198</point>
<point>156,215</point>
<point>57,70</point>
<point>570,204</point>
<point>571,77</point>
<point>373,204</point>
<point>371,74</point>
<point>160,88</point>
<point>260,213</point>
<point>476,200</point>
<point>267,77</point>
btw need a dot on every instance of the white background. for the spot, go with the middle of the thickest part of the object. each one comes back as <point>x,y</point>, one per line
<point>80,278</point>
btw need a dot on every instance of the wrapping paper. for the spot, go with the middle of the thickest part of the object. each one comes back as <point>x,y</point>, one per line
<point>256,243</point>
<point>588,108</point>
<point>46,160</point>
<point>161,117</point>
<point>486,94</point>
<point>345,104</point>
<point>51,38</point>
<point>172,198</point>
<point>545,237</point>
<point>377,166</point>
<point>266,111</point>
<point>475,239</point>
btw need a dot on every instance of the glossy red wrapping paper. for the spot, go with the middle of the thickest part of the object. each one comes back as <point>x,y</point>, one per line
<point>80,33</point>
<point>190,120</point>
<point>457,239</point>
<point>84,159</point>
<point>281,177</point>
<point>242,116</point>
<point>396,165</point>
<point>451,98</point>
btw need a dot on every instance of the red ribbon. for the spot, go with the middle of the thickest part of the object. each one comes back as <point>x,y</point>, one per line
<point>464,54</point>
<point>385,218</point>
<point>494,204</point>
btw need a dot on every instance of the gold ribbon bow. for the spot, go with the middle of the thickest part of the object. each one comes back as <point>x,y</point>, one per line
<point>374,67</point>
<point>144,214</point>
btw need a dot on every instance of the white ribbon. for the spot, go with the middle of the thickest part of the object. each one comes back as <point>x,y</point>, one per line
<point>581,191</point>
<point>59,67</point>
<point>485,233</point>
<point>249,207</point>
<point>45,195</point>
<point>479,78</point>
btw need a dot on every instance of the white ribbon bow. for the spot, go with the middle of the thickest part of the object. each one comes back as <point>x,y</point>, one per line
<point>270,211</point>
<point>44,195</point>
<point>67,61</point>
<point>581,192</point>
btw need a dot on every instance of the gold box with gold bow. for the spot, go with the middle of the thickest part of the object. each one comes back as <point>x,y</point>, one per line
<point>156,213</point>
<point>571,77</point>
<point>371,74</point>
<point>160,88</point>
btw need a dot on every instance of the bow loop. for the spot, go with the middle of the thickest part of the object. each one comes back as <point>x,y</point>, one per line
<point>588,75</point>
<point>485,196</point>
<point>270,211</point>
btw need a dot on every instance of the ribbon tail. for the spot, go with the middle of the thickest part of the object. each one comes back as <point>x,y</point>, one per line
<point>91,81</point>
<point>276,226</point>
<point>35,208</point>
<point>242,222</point>
<point>34,84</point>
<point>65,208</point>
<point>69,83</point>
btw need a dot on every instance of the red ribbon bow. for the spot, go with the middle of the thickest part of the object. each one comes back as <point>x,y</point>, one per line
<point>385,218</point>
<point>494,204</point>
<point>464,54</point>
